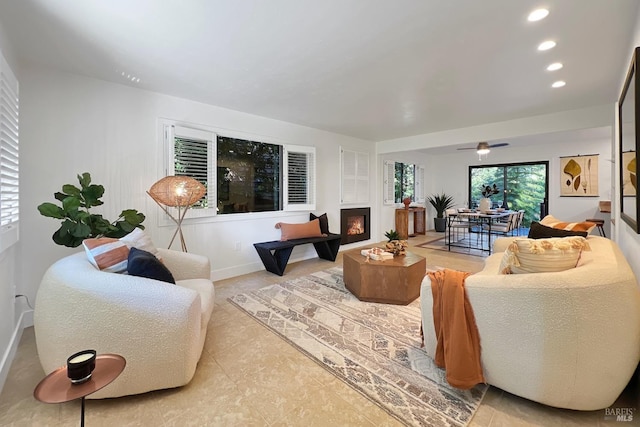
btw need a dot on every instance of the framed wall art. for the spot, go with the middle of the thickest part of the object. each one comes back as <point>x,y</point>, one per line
<point>629,181</point>
<point>579,176</point>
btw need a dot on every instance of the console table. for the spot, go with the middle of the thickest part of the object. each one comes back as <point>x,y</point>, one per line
<point>402,221</point>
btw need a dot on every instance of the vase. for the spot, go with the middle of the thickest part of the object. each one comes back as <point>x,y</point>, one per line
<point>485,204</point>
<point>407,202</point>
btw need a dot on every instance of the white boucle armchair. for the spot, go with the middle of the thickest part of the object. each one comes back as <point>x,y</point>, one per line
<point>158,327</point>
<point>569,339</point>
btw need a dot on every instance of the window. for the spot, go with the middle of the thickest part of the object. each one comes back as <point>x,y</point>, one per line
<point>521,186</point>
<point>241,175</point>
<point>402,180</point>
<point>9,158</point>
<point>248,176</point>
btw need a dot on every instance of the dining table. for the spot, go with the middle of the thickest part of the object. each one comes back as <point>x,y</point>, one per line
<point>478,220</point>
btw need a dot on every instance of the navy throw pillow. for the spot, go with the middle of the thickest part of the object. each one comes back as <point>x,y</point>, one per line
<point>324,222</point>
<point>145,264</point>
<point>539,231</point>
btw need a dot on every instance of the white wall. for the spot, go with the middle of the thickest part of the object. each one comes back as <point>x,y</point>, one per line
<point>72,124</point>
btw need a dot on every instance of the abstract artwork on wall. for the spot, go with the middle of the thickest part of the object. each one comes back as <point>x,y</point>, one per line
<point>629,173</point>
<point>579,176</point>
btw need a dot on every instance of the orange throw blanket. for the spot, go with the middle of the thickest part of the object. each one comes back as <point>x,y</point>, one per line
<point>458,348</point>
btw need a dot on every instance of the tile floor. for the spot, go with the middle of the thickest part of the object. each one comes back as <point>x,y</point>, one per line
<point>247,376</point>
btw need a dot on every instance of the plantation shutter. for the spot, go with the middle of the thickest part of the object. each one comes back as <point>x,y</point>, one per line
<point>9,158</point>
<point>191,154</point>
<point>388,182</point>
<point>419,184</point>
<point>299,178</point>
<point>355,176</point>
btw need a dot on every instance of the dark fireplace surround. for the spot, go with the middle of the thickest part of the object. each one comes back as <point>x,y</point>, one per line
<point>355,225</point>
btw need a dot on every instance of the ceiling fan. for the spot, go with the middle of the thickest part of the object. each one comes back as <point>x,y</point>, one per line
<point>484,148</point>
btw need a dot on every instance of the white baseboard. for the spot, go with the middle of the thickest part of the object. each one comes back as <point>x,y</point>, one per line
<point>25,321</point>
<point>226,273</point>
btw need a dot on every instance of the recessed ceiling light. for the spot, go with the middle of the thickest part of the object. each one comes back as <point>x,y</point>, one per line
<point>549,44</point>
<point>537,15</point>
<point>559,83</point>
<point>555,66</point>
<point>129,77</point>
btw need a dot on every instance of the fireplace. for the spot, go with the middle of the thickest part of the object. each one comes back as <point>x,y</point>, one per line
<point>354,225</point>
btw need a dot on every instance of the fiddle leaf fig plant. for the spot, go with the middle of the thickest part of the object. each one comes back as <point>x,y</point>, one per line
<point>78,223</point>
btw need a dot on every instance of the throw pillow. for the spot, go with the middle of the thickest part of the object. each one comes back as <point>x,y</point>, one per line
<point>299,231</point>
<point>550,221</point>
<point>107,254</point>
<point>144,264</point>
<point>138,238</point>
<point>324,222</point>
<point>539,231</point>
<point>543,255</point>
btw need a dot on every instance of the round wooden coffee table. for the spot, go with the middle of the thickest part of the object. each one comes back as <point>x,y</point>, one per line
<point>57,388</point>
<point>393,281</point>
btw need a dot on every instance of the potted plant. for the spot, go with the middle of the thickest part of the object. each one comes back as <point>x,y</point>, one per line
<point>487,192</point>
<point>392,235</point>
<point>440,202</point>
<point>78,223</point>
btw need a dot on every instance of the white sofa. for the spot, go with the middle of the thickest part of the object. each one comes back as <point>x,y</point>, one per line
<point>158,327</point>
<point>567,339</point>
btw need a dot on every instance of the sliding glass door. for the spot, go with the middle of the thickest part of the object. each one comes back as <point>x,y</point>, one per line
<point>519,186</point>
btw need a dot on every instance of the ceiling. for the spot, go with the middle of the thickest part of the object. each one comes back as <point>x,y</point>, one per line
<point>371,69</point>
<point>562,137</point>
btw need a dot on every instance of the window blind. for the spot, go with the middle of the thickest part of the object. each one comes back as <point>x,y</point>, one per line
<point>300,179</point>
<point>419,184</point>
<point>192,150</point>
<point>388,184</point>
<point>9,156</point>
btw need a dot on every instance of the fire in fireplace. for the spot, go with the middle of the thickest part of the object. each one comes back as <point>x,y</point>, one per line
<point>354,225</point>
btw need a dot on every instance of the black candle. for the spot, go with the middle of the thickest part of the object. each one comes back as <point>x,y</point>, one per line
<point>80,365</point>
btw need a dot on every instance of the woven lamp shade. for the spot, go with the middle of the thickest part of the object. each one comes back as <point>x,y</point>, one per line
<point>177,191</point>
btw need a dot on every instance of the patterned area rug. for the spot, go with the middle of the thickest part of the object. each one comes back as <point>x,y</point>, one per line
<point>375,348</point>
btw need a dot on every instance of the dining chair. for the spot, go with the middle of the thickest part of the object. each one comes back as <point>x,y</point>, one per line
<point>457,223</point>
<point>505,228</point>
<point>519,220</point>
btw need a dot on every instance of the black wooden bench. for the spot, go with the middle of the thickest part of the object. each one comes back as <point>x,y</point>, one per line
<point>275,255</point>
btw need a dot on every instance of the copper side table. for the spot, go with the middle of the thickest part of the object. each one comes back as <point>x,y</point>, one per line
<point>57,387</point>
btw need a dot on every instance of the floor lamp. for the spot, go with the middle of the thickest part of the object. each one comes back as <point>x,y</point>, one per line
<point>179,192</point>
